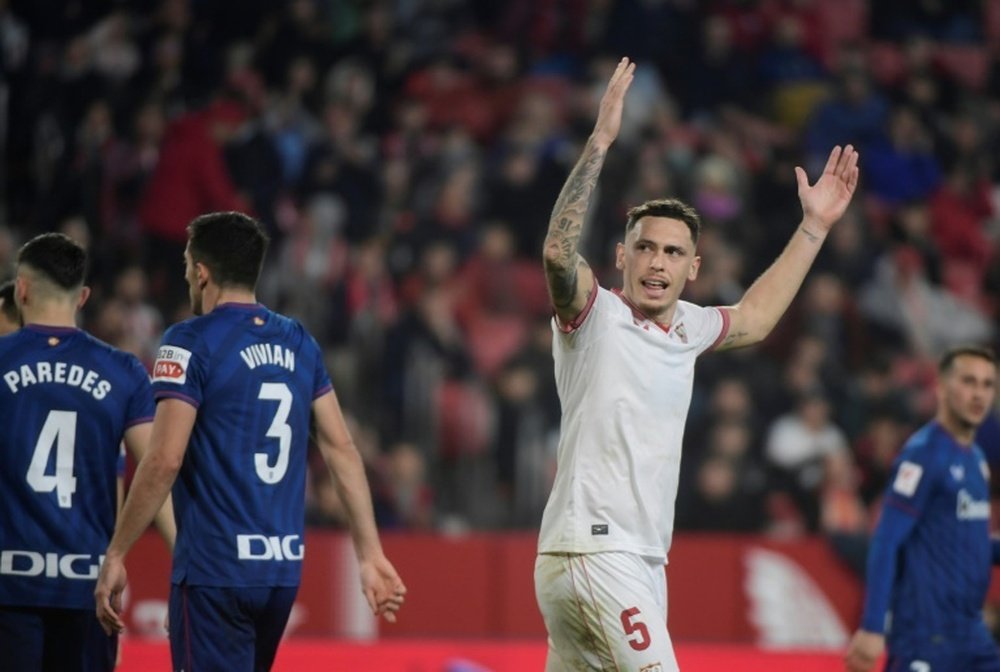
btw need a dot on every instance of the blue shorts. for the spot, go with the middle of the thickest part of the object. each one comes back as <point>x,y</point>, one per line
<point>227,629</point>
<point>973,652</point>
<point>56,640</point>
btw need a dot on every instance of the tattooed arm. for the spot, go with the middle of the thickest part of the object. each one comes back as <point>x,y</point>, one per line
<point>568,275</point>
<point>753,318</point>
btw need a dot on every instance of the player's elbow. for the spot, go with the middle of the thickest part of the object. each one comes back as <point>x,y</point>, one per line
<point>165,465</point>
<point>553,254</point>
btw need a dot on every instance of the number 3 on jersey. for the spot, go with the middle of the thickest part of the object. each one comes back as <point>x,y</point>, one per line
<point>279,429</point>
<point>59,431</point>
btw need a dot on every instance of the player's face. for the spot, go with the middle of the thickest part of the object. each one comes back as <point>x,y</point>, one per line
<point>657,258</point>
<point>194,285</point>
<point>967,390</point>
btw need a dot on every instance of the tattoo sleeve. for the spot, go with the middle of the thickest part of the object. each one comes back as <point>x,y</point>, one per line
<point>562,260</point>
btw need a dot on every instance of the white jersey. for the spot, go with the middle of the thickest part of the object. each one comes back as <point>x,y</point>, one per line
<point>625,385</point>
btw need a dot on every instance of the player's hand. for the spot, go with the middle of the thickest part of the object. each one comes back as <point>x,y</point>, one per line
<point>824,202</point>
<point>382,587</point>
<point>609,115</point>
<point>864,651</point>
<point>108,594</point>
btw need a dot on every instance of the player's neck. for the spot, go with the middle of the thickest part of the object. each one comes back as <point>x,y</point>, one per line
<point>960,431</point>
<point>49,316</point>
<point>222,295</point>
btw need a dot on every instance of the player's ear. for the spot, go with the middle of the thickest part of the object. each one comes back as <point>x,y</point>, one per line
<point>693,271</point>
<point>203,274</point>
<point>84,295</point>
<point>620,256</point>
<point>20,291</point>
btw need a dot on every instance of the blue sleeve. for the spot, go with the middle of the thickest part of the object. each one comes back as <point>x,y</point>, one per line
<point>321,379</point>
<point>180,368</point>
<point>910,487</point>
<point>995,547</point>
<point>893,528</point>
<point>141,406</point>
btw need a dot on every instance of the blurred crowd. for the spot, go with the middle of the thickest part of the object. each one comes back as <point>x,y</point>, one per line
<point>405,156</point>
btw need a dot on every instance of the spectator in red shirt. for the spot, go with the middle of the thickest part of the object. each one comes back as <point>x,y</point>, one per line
<point>190,179</point>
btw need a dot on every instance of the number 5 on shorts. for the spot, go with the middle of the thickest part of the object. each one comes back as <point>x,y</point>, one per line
<point>639,628</point>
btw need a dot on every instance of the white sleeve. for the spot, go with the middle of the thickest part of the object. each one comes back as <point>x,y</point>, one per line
<point>707,326</point>
<point>590,324</point>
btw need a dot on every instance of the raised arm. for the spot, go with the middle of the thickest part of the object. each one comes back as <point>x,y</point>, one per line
<point>823,203</point>
<point>380,583</point>
<point>568,275</point>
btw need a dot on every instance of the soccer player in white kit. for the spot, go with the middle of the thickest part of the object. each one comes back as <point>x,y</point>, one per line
<point>624,363</point>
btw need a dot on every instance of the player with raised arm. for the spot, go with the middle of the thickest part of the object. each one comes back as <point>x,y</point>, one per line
<point>235,387</point>
<point>930,560</point>
<point>624,362</point>
<point>66,403</point>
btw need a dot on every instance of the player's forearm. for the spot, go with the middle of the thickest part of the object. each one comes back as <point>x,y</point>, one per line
<point>150,488</point>
<point>165,523</point>
<point>562,241</point>
<point>893,529</point>
<point>352,485</point>
<point>769,296</point>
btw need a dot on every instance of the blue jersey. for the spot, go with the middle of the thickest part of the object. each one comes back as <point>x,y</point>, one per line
<point>930,559</point>
<point>239,499</point>
<point>65,402</point>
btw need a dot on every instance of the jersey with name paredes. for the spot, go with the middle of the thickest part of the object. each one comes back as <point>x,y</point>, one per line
<point>944,567</point>
<point>66,400</point>
<point>625,385</point>
<point>240,497</point>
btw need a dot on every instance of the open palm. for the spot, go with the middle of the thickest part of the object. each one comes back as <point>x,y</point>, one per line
<point>609,115</point>
<point>824,202</point>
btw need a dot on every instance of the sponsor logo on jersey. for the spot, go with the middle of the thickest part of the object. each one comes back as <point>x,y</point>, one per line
<point>957,472</point>
<point>171,365</point>
<point>969,508</point>
<point>652,667</point>
<point>76,566</point>
<point>596,530</point>
<point>907,478</point>
<point>263,547</point>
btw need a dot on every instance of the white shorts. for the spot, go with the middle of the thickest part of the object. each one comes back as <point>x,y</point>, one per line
<point>604,611</point>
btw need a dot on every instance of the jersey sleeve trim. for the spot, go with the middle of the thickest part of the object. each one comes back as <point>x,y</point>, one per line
<point>901,506</point>
<point>165,394</point>
<point>323,390</point>
<point>577,321</point>
<point>138,421</point>
<point>724,313</point>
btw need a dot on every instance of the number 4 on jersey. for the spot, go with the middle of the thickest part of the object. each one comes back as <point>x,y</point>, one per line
<point>59,430</point>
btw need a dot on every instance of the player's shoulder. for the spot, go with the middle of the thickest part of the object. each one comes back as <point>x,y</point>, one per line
<point>693,311</point>
<point>925,445</point>
<point>294,330</point>
<point>191,332</point>
<point>13,341</point>
<point>122,358</point>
